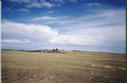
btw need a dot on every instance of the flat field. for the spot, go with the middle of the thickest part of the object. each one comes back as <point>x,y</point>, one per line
<point>66,67</point>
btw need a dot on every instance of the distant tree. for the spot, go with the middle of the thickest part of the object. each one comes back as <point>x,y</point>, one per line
<point>53,50</point>
<point>56,49</point>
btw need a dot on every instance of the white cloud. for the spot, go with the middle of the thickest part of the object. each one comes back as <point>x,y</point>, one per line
<point>44,18</point>
<point>101,18</point>
<point>95,4</point>
<point>15,41</point>
<point>23,10</point>
<point>58,1</point>
<point>92,36</point>
<point>50,12</point>
<point>51,19</point>
<point>32,32</point>
<point>40,4</point>
<point>82,36</point>
<point>99,29</point>
<point>23,1</point>
<point>35,3</point>
<point>105,28</point>
<point>47,4</point>
<point>73,1</point>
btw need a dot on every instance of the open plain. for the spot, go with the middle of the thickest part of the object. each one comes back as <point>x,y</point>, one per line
<point>65,67</point>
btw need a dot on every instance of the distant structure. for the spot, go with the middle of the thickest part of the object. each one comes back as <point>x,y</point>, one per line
<point>56,50</point>
<point>50,51</point>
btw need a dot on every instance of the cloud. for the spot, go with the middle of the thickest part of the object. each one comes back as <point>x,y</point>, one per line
<point>50,19</point>
<point>40,4</point>
<point>95,4</point>
<point>100,18</point>
<point>14,41</point>
<point>35,3</point>
<point>23,10</point>
<point>73,1</point>
<point>44,18</point>
<point>92,36</point>
<point>7,9</point>
<point>58,1</point>
<point>32,32</point>
<point>22,1</point>
<point>82,36</point>
<point>50,12</point>
<point>103,29</point>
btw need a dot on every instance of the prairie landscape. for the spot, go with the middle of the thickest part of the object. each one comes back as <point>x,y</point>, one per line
<point>65,67</point>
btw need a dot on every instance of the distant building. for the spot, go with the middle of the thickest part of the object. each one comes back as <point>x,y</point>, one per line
<point>50,51</point>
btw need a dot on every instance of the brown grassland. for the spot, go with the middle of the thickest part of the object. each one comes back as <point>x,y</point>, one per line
<point>67,67</point>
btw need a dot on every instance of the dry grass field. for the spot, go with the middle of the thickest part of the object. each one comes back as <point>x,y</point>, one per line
<point>67,67</point>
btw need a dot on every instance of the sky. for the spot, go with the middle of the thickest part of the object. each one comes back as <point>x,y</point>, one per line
<point>87,25</point>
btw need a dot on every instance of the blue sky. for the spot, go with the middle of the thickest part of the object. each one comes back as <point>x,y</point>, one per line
<point>90,25</point>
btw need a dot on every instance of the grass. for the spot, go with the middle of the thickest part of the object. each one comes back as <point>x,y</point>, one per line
<point>66,67</point>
